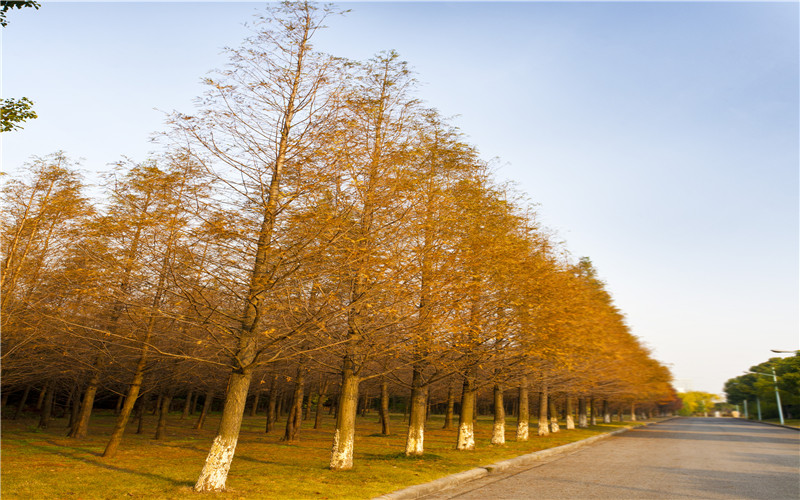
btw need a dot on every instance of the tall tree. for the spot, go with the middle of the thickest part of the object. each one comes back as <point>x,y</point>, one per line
<point>376,142</point>
<point>441,160</point>
<point>257,132</point>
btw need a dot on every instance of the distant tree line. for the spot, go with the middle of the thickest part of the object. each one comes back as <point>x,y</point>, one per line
<point>757,387</point>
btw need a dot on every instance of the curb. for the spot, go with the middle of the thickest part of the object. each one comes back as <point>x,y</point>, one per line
<point>436,486</point>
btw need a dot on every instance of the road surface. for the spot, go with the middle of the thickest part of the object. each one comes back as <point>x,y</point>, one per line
<point>692,458</point>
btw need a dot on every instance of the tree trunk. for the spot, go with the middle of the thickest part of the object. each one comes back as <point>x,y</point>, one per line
<point>254,408</point>
<point>606,412</point>
<point>201,420</point>
<point>553,415</point>
<point>40,399</point>
<point>364,404</point>
<point>465,439</point>
<point>272,409</point>
<point>593,410</point>
<point>187,405</point>
<point>271,405</point>
<point>120,399</point>
<point>523,412</point>
<point>193,407</point>
<point>161,428</point>
<point>22,402</point>
<point>130,399</point>
<point>74,408</point>
<point>281,397</point>
<point>81,428</point>
<point>544,429</point>
<point>323,396</point>
<point>47,405</point>
<point>292,432</point>
<point>385,408</point>
<point>499,427</point>
<point>344,436</point>
<point>307,410</point>
<point>156,408</point>
<point>218,462</point>
<point>583,422</point>
<point>415,439</point>
<point>451,402</point>
<point>141,409</point>
<point>568,410</point>
<point>428,406</point>
<point>633,412</point>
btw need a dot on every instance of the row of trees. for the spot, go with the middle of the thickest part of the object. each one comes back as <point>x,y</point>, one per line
<point>757,387</point>
<point>313,222</point>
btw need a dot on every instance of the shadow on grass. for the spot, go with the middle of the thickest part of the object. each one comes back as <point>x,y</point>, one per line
<point>77,452</point>
<point>173,444</point>
<point>239,456</point>
<point>427,457</point>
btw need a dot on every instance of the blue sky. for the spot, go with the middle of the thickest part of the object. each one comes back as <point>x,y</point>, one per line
<point>660,139</point>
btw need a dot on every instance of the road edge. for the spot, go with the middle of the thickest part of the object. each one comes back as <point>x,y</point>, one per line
<point>769,423</point>
<point>447,482</point>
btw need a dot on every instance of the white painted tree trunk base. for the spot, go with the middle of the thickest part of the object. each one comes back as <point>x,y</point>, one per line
<point>570,422</point>
<point>218,463</point>
<point>415,442</point>
<point>499,433</point>
<point>522,431</point>
<point>544,430</point>
<point>342,452</point>
<point>466,437</point>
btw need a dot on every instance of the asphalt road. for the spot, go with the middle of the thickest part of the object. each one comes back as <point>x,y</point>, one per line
<point>697,458</point>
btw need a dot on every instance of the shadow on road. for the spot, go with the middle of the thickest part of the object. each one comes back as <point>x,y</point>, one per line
<point>709,483</point>
<point>789,460</point>
<point>708,429</point>
<point>680,434</point>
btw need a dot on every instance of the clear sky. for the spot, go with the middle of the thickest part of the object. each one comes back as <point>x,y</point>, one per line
<point>660,139</point>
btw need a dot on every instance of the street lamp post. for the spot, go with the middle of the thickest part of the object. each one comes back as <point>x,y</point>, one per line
<point>777,394</point>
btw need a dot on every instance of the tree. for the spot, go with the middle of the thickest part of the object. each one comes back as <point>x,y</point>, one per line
<point>153,202</point>
<point>256,132</point>
<point>375,142</point>
<point>441,159</point>
<point>43,217</point>
<point>9,4</point>
<point>759,385</point>
<point>15,111</point>
<point>695,402</point>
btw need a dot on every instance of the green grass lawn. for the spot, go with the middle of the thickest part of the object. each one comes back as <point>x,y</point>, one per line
<point>46,464</point>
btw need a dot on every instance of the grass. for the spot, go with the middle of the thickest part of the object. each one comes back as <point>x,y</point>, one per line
<point>45,464</point>
<point>791,422</point>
